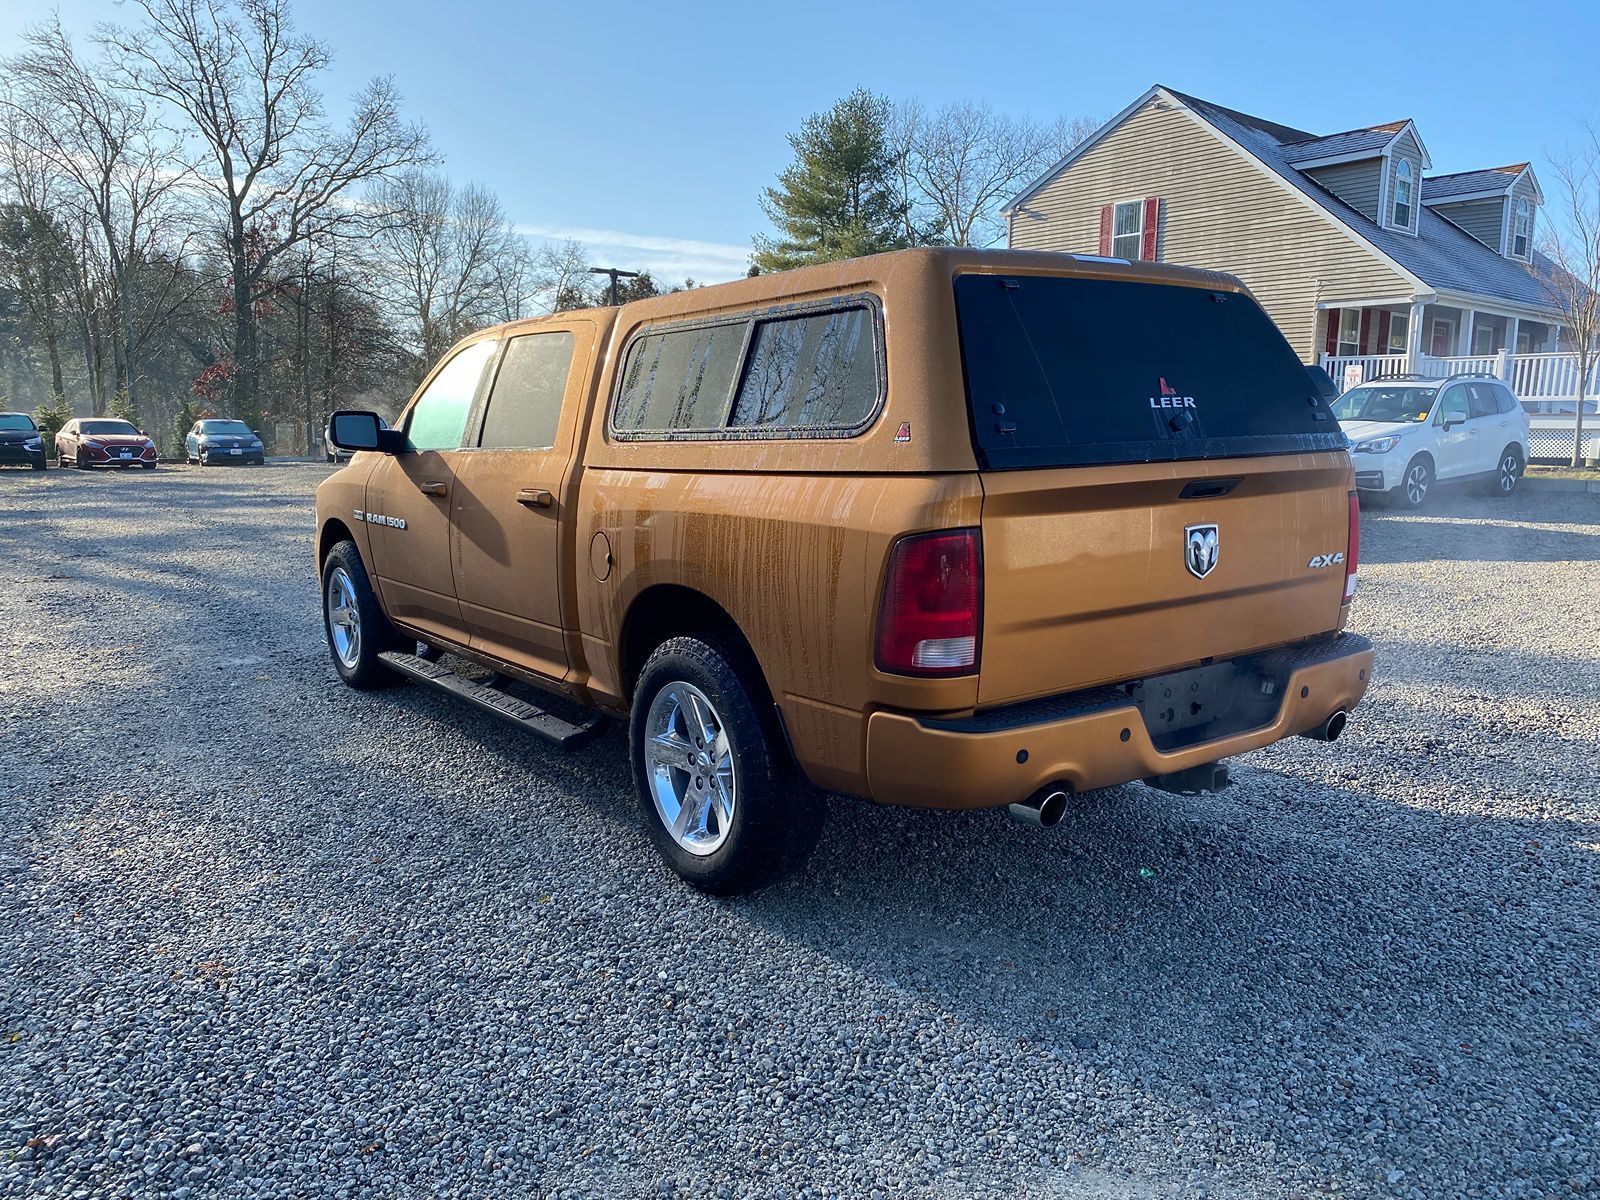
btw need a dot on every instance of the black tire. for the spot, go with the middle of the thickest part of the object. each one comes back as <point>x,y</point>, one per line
<point>363,670</point>
<point>1507,472</point>
<point>1415,485</point>
<point>42,464</point>
<point>148,466</point>
<point>776,819</point>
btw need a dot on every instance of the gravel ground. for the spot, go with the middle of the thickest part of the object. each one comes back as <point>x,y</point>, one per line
<point>265,936</point>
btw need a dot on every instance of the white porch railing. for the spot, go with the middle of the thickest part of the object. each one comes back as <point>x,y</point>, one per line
<point>1545,383</point>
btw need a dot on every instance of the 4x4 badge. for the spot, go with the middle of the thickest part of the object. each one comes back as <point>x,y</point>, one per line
<point>1200,549</point>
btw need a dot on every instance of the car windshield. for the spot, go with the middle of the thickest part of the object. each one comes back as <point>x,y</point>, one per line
<point>1385,404</point>
<point>234,427</point>
<point>16,421</point>
<point>108,429</point>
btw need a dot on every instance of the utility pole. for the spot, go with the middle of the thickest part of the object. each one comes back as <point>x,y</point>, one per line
<point>614,275</point>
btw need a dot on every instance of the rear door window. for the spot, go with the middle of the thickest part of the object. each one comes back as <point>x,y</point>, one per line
<point>1067,371</point>
<point>525,404</point>
<point>1484,400</point>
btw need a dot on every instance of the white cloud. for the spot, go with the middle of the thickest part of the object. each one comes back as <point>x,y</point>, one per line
<point>668,259</point>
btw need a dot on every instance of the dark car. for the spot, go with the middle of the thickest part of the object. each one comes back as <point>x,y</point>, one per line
<point>333,452</point>
<point>104,442</point>
<point>21,443</point>
<point>222,440</point>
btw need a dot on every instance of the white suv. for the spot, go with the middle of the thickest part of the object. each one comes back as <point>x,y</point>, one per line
<point>1407,431</point>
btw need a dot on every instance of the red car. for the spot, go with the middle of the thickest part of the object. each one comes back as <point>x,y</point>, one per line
<point>103,442</point>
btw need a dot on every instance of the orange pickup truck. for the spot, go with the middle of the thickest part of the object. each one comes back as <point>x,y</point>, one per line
<point>949,528</point>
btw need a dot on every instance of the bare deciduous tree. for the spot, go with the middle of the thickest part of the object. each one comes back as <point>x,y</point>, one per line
<point>124,174</point>
<point>562,272</point>
<point>1570,272</point>
<point>450,250</point>
<point>244,83</point>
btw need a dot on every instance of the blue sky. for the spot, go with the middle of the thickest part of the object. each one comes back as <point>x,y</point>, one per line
<point>649,130</point>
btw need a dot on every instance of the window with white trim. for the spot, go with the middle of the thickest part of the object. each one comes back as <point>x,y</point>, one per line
<point>1349,331</point>
<point>1522,229</point>
<point>1402,194</point>
<point>1127,230</point>
<point>1399,327</point>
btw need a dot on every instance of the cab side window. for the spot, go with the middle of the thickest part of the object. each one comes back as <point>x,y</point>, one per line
<point>439,417</point>
<point>525,404</point>
<point>1485,403</point>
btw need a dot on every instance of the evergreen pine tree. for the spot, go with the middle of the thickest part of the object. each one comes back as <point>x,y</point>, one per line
<point>838,199</point>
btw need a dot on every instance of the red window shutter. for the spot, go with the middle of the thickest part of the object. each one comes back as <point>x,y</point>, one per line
<point>1152,219</point>
<point>1333,331</point>
<point>1383,333</point>
<point>1105,230</point>
<point>1366,327</point>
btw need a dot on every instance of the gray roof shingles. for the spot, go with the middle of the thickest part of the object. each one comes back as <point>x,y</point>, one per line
<point>1442,255</point>
<point>1465,183</point>
<point>1353,142</point>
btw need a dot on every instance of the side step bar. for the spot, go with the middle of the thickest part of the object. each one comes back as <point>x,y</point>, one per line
<point>508,708</point>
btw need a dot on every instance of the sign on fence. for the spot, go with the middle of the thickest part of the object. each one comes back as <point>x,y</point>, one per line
<point>1353,375</point>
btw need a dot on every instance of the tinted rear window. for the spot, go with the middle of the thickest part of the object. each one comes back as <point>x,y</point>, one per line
<point>1062,372</point>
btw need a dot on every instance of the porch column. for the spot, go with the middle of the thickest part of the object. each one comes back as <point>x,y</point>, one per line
<point>1512,331</point>
<point>1414,336</point>
<point>1464,340</point>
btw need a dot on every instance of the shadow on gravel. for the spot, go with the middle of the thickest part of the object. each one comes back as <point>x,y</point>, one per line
<point>1195,952</point>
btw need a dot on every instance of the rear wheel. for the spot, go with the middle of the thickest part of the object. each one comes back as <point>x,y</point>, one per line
<point>715,785</point>
<point>1415,484</point>
<point>355,625</point>
<point>1507,473</point>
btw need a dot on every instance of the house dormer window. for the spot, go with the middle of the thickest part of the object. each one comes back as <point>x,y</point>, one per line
<point>1402,194</point>
<point>1522,229</point>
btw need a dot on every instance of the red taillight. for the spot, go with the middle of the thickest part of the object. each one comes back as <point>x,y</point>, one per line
<point>932,605</point>
<point>1353,550</point>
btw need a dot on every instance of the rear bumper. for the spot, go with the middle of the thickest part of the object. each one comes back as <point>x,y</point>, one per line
<point>1088,739</point>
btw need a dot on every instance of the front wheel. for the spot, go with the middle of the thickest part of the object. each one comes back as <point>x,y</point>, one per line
<point>41,464</point>
<point>1415,484</point>
<point>355,625</point>
<point>1507,473</point>
<point>714,782</point>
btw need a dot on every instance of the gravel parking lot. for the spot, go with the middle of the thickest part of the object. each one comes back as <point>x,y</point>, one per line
<point>265,936</point>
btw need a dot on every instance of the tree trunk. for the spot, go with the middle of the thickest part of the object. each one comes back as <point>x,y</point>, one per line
<point>1584,367</point>
<point>245,390</point>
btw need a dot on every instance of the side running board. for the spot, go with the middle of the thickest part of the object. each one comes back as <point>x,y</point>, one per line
<point>492,700</point>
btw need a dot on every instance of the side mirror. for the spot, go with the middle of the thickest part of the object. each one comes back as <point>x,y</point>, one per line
<point>352,431</point>
<point>257,432</point>
<point>1452,419</point>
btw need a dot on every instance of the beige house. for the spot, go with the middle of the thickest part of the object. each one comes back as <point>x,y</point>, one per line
<point>1365,259</point>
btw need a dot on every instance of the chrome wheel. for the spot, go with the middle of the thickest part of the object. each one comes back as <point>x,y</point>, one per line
<point>344,618</point>
<point>1510,468</point>
<point>690,768</point>
<point>1416,483</point>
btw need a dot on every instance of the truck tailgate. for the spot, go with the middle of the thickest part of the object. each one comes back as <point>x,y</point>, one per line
<point>1086,570</point>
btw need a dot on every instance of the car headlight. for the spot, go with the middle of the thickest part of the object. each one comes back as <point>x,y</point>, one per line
<point>1377,445</point>
<point>33,443</point>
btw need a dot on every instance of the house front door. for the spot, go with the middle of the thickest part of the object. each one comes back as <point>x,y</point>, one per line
<point>1441,338</point>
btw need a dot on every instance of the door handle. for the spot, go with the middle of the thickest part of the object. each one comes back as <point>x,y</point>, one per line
<point>434,489</point>
<point>535,497</point>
